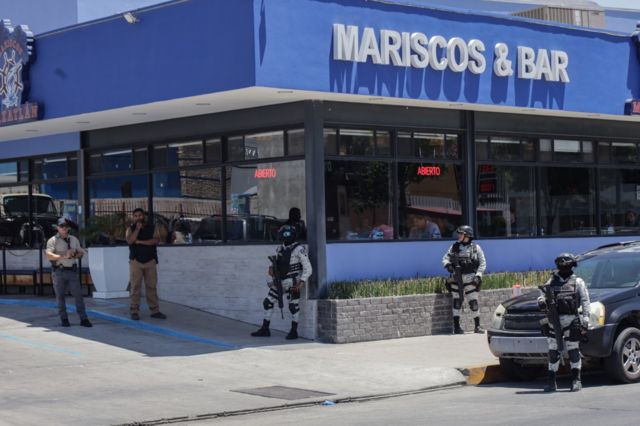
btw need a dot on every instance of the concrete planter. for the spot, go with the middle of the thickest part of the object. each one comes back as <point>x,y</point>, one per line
<point>109,267</point>
<point>379,318</point>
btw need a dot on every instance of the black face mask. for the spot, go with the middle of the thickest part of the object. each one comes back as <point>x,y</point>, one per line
<point>565,271</point>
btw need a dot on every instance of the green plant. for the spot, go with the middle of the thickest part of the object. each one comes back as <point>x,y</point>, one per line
<point>105,229</point>
<point>429,285</point>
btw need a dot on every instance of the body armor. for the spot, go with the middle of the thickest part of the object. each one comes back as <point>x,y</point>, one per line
<point>566,294</point>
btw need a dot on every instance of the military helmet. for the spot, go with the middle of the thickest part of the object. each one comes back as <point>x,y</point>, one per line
<point>287,234</point>
<point>566,260</point>
<point>466,230</point>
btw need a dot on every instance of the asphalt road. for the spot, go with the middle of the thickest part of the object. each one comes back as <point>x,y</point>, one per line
<point>599,403</point>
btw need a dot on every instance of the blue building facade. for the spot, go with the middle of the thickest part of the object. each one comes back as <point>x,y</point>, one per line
<point>388,125</point>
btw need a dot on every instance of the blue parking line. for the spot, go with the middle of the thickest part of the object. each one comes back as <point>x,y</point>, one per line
<point>39,345</point>
<point>124,321</point>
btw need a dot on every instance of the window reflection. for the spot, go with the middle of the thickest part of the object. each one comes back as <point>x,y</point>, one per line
<point>259,197</point>
<point>429,200</point>
<point>506,201</point>
<point>357,200</point>
<point>619,201</point>
<point>183,199</point>
<point>567,197</point>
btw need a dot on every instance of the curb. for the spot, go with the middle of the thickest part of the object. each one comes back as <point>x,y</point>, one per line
<point>483,374</point>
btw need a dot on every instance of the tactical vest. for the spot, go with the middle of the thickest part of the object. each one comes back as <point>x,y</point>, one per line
<point>143,253</point>
<point>566,295</point>
<point>468,259</point>
<point>284,261</point>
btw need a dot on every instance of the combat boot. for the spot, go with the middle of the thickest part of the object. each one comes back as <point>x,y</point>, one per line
<point>263,331</point>
<point>293,333</point>
<point>477,328</point>
<point>456,326</point>
<point>551,382</point>
<point>576,383</point>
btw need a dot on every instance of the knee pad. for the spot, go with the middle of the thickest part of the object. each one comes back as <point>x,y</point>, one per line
<point>473,305</point>
<point>293,308</point>
<point>574,355</point>
<point>554,356</point>
<point>457,303</point>
<point>266,303</point>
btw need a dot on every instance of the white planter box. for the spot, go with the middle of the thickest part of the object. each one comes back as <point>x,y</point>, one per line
<point>109,267</point>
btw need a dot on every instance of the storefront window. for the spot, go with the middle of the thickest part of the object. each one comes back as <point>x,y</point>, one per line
<point>505,149</point>
<point>259,197</point>
<point>330,141</point>
<point>50,168</point>
<point>604,152</point>
<point>213,150</point>
<point>619,201</point>
<point>567,197</point>
<point>405,144</point>
<point>54,200</point>
<point>118,194</point>
<point>357,196</point>
<point>295,142</point>
<point>506,201</point>
<point>482,148</point>
<point>356,142</point>
<point>183,203</point>
<point>8,172</point>
<point>429,200</point>
<point>255,146</point>
<point>624,152</point>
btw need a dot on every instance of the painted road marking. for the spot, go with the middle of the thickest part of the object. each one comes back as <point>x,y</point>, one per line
<point>125,321</point>
<point>39,345</point>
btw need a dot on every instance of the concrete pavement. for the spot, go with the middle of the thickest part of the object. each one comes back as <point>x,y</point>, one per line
<point>195,363</point>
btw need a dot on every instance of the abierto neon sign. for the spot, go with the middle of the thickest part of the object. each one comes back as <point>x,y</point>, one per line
<point>269,173</point>
<point>429,171</point>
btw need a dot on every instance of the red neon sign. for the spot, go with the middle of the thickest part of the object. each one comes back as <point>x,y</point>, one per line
<point>265,173</point>
<point>429,171</point>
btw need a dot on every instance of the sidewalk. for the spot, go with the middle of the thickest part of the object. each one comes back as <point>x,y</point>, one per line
<point>194,363</point>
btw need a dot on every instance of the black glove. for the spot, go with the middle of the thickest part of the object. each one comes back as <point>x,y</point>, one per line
<point>477,281</point>
<point>449,267</point>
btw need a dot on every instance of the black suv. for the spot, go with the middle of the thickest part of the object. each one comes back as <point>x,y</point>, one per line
<point>612,275</point>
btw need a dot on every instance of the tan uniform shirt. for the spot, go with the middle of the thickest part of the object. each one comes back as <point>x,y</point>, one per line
<point>57,245</point>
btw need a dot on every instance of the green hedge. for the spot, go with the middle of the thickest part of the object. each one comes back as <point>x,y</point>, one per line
<point>382,288</point>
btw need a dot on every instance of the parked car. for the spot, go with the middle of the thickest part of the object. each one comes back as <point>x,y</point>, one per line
<point>15,227</point>
<point>612,275</point>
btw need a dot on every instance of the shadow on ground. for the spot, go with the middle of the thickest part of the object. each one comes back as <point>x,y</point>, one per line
<point>185,332</point>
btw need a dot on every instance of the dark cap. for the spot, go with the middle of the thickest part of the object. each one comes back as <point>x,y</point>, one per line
<point>63,222</point>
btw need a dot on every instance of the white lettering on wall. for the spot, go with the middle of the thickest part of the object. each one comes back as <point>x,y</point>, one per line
<point>417,50</point>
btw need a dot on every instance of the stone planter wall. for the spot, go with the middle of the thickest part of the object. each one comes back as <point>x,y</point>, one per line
<point>378,318</point>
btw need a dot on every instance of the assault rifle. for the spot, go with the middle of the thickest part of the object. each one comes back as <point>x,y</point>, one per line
<point>277,282</point>
<point>553,317</point>
<point>457,274</point>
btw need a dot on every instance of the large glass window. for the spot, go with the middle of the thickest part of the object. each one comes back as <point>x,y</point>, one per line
<point>506,201</point>
<point>259,197</point>
<point>118,194</point>
<point>567,197</point>
<point>357,195</point>
<point>429,200</point>
<point>619,201</point>
<point>255,146</point>
<point>185,201</point>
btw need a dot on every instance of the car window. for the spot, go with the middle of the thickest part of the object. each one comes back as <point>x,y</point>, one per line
<point>610,271</point>
<point>16,205</point>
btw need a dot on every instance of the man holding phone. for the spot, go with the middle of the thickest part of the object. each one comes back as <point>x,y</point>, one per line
<point>63,250</point>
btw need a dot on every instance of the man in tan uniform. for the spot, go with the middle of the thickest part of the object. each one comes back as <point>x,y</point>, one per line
<point>63,250</point>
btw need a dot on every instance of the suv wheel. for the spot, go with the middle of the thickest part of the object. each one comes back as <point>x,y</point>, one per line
<point>518,372</point>
<point>624,363</point>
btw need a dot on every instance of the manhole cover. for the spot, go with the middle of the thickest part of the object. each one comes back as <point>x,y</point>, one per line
<point>283,392</point>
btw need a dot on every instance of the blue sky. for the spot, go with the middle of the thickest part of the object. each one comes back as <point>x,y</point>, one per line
<point>623,4</point>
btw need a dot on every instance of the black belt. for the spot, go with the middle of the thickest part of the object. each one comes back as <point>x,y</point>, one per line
<point>67,268</point>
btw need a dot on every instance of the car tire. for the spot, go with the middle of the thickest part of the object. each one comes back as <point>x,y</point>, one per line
<point>518,372</point>
<point>623,365</point>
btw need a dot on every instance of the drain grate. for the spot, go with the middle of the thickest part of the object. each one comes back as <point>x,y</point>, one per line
<point>283,392</point>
